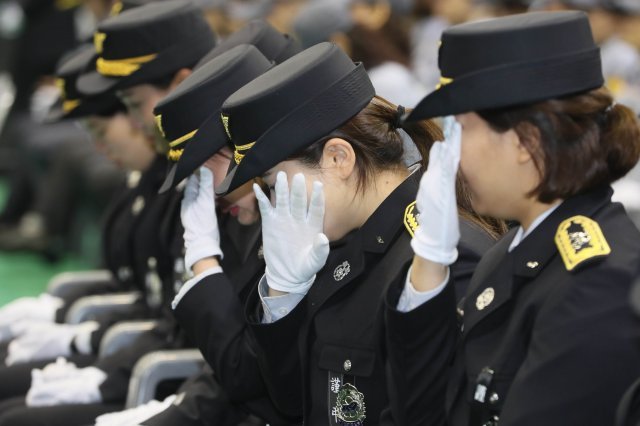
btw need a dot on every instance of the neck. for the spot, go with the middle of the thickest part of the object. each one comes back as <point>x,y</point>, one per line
<point>535,209</point>
<point>376,192</point>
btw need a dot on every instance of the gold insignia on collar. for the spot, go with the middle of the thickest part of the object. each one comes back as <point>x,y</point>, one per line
<point>98,41</point>
<point>579,239</point>
<point>411,218</point>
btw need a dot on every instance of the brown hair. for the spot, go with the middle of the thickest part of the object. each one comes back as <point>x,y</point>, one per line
<point>577,142</point>
<point>378,145</point>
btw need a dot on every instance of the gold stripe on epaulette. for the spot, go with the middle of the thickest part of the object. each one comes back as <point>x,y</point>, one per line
<point>579,239</point>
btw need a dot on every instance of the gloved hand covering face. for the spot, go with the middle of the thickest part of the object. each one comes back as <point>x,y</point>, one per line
<point>198,214</point>
<point>295,247</point>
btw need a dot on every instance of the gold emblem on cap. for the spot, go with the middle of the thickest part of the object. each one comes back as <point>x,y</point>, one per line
<point>443,82</point>
<point>60,84</point>
<point>225,123</point>
<point>98,42</point>
<point>158,119</point>
<point>579,239</point>
<point>116,8</point>
<point>485,298</point>
<point>411,218</point>
<point>122,67</point>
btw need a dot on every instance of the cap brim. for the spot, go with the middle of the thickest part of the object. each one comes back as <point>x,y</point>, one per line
<point>223,187</point>
<point>93,83</point>
<point>512,85</point>
<point>168,62</point>
<point>209,139</point>
<point>312,120</point>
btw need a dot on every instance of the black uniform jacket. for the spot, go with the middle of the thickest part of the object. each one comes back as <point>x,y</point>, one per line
<point>330,347</point>
<point>134,247</point>
<point>212,315</point>
<point>121,221</point>
<point>541,344</point>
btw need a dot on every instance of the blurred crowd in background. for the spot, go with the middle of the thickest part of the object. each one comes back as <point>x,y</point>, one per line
<point>58,181</point>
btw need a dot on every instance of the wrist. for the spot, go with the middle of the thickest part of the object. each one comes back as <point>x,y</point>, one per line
<point>205,264</point>
<point>427,275</point>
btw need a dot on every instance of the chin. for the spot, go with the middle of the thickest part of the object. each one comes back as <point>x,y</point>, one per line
<point>247,217</point>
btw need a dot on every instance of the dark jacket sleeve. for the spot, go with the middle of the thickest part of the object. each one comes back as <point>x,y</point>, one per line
<point>212,315</point>
<point>281,363</point>
<point>584,323</point>
<point>420,344</point>
<point>474,242</point>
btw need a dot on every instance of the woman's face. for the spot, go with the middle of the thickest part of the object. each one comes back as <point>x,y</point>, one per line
<point>240,203</point>
<point>494,165</point>
<point>140,101</point>
<point>338,194</point>
<point>120,141</point>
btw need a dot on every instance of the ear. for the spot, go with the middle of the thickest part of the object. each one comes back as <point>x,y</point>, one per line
<point>179,77</point>
<point>527,144</point>
<point>339,157</point>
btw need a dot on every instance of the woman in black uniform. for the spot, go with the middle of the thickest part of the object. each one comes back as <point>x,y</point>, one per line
<point>198,97</point>
<point>548,336</point>
<point>153,238</point>
<point>106,120</point>
<point>316,316</point>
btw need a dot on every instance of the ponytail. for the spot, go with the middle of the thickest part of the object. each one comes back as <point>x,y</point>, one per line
<point>621,140</point>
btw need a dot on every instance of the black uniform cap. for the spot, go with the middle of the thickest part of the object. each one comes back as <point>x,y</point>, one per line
<point>147,43</point>
<point>180,115</point>
<point>514,60</point>
<point>288,108</point>
<point>274,45</point>
<point>72,104</point>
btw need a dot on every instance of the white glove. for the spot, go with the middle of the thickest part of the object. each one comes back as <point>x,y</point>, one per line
<point>64,383</point>
<point>42,308</point>
<point>437,237</point>
<point>137,415</point>
<point>198,214</point>
<point>39,341</point>
<point>295,248</point>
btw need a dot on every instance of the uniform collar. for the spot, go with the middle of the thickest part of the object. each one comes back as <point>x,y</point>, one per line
<point>521,234</point>
<point>382,227</point>
<point>500,272</point>
<point>537,249</point>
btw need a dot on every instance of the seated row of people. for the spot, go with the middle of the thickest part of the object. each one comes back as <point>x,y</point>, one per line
<point>327,279</point>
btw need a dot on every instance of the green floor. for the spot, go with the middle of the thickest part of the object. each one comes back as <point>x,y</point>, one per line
<point>27,275</point>
<point>24,274</point>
